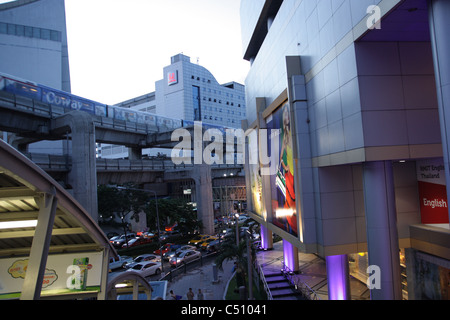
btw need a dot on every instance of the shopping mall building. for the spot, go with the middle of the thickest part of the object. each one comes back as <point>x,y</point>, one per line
<point>347,103</point>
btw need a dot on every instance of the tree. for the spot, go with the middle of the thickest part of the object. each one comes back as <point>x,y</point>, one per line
<point>173,211</point>
<point>113,201</point>
<point>230,250</point>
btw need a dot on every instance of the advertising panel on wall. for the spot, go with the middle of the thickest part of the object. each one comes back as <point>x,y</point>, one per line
<point>282,181</point>
<point>255,174</point>
<point>432,191</point>
<point>63,272</point>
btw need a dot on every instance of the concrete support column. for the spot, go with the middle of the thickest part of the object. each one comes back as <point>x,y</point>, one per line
<point>135,153</point>
<point>439,13</point>
<point>338,277</point>
<point>32,285</point>
<point>290,256</point>
<point>266,238</point>
<point>83,176</point>
<point>203,196</point>
<point>381,226</point>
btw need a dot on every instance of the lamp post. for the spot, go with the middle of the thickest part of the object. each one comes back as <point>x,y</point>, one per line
<point>237,229</point>
<point>249,266</point>
<point>157,219</point>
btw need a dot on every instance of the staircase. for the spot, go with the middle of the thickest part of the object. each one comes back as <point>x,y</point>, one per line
<point>281,288</point>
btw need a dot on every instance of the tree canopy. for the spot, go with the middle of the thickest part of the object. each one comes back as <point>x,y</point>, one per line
<point>120,201</point>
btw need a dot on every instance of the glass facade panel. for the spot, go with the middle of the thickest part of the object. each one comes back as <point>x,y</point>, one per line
<point>196,103</point>
<point>30,32</point>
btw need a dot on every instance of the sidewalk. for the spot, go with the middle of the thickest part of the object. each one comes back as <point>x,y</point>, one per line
<point>202,278</point>
<point>312,268</point>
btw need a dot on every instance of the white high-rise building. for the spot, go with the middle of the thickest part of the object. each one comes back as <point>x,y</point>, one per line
<point>188,92</point>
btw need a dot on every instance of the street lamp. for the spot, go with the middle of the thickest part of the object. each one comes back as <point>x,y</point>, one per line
<point>237,229</point>
<point>249,266</point>
<point>157,219</point>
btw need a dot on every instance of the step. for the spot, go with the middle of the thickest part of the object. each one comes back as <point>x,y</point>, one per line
<point>279,285</point>
<point>273,279</point>
<point>287,293</point>
<point>291,297</point>
<point>283,292</point>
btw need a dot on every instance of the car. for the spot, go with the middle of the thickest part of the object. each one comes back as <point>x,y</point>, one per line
<point>119,262</point>
<point>243,218</point>
<point>166,247</point>
<point>184,257</point>
<point>213,245</point>
<point>203,245</point>
<point>199,239</point>
<point>142,258</point>
<point>147,268</point>
<point>146,234</point>
<point>174,250</point>
<point>171,235</point>
<point>136,242</point>
<point>118,242</point>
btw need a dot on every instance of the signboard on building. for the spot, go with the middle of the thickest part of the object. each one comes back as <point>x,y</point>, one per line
<point>432,191</point>
<point>63,272</point>
<point>172,78</point>
<point>282,182</point>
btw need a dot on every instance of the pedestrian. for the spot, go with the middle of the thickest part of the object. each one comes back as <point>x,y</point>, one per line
<point>190,294</point>
<point>200,295</point>
<point>172,295</point>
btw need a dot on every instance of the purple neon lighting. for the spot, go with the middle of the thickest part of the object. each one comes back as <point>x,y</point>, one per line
<point>264,240</point>
<point>337,273</point>
<point>288,254</point>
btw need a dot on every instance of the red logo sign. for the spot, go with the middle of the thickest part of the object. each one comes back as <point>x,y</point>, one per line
<point>173,79</point>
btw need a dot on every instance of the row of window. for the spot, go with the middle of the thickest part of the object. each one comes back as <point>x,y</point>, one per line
<point>239,113</point>
<point>30,32</point>
<point>220,101</point>
<point>206,117</point>
<point>219,92</point>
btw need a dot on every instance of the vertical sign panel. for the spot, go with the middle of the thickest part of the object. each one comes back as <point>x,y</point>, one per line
<point>432,191</point>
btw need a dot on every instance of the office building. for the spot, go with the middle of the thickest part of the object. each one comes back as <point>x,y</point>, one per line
<point>353,95</point>
<point>33,46</point>
<point>188,92</point>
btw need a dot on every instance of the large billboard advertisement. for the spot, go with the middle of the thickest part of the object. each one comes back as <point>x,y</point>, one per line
<point>282,180</point>
<point>432,191</point>
<point>63,272</point>
<point>255,174</point>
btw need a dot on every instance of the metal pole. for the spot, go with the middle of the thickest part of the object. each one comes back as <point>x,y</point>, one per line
<point>159,231</point>
<point>250,273</point>
<point>237,230</point>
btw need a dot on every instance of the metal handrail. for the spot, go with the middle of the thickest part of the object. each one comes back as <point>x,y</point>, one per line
<point>299,285</point>
<point>263,280</point>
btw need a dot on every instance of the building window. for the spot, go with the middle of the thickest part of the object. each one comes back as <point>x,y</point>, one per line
<point>196,103</point>
<point>30,32</point>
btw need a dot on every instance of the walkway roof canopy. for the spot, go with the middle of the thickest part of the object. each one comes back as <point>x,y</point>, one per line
<point>21,185</point>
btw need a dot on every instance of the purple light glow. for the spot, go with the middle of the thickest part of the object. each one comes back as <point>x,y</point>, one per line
<point>338,281</point>
<point>264,240</point>
<point>288,254</point>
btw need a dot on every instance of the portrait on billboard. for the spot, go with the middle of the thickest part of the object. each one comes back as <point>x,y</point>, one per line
<point>255,174</point>
<point>282,181</point>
